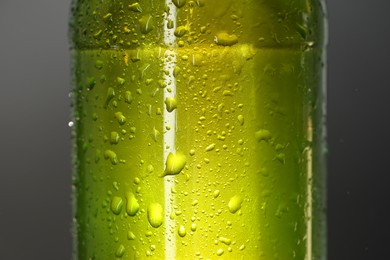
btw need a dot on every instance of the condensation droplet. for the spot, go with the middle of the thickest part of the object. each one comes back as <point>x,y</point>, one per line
<point>227,93</point>
<point>175,163</point>
<point>116,205</point>
<point>120,117</point>
<point>241,119</point>
<point>120,251</point>
<point>110,155</point>
<point>114,138</point>
<point>220,252</point>
<point>171,104</point>
<point>181,31</point>
<point>135,8</point>
<point>121,81</point>
<point>170,24</point>
<point>110,95</point>
<point>128,97</point>
<point>146,24</point>
<point>155,215</point>
<point>210,147</point>
<point>225,240</point>
<point>179,3</point>
<point>155,134</point>
<point>225,39</point>
<point>193,227</point>
<point>235,204</point>
<point>182,231</point>
<point>132,204</point>
<point>130,235</point>
<point>263,135</point>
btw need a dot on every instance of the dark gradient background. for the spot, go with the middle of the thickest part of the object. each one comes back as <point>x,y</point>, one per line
<point>35,161</point>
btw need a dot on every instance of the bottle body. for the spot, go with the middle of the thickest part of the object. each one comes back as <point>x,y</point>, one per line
<point>198,130</point>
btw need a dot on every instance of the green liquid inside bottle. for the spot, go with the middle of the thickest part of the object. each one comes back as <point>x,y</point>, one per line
<point>196,137</point>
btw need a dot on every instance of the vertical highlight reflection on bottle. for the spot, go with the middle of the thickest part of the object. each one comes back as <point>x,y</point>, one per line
<point>169,126</point>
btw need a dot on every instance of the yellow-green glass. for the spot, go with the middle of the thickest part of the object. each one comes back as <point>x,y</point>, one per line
<point>198,129</point>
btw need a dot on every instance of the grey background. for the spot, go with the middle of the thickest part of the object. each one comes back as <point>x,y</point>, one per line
<point>35,178</point>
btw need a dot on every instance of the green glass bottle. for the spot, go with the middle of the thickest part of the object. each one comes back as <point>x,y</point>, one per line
<point>199,129</point>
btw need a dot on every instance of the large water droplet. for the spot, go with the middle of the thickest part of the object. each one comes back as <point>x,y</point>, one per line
<point>193,227</point>
<point>130,235</point>
<point>171,104</point>
<point>241,119</point>
<point>179,3</point>
<point>225,39</point>
<point>110,95</point>
<point>175,163</point>
<point>182,231</point>
<point>220,252</point>
<point>210,147</point>
<point>132,204</point>
<point>114,138</point>
<point>146,24</point>
<point>170,24</point>
<point>116,205</point>
<point>110,155</point>
<point>235,204</point>
<point>120,117</point>
<point>225,240</point>
<point>120,251</point>
<point>128,97</point>
<point>181,31</point>
<point>155,215</point>
<point>263,135</point>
